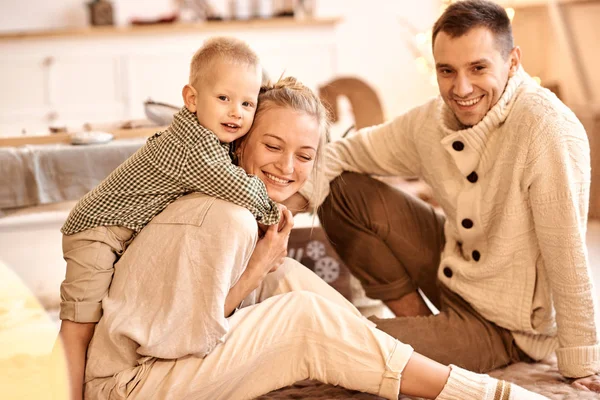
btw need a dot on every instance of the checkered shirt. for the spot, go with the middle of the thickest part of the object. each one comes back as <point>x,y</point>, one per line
<point>184,158</point>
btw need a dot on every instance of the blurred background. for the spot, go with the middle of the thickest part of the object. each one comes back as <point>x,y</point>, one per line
<point>56,70</point>
<point>73,67</point>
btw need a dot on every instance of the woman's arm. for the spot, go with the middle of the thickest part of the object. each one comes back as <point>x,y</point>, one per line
<point>268,255</point>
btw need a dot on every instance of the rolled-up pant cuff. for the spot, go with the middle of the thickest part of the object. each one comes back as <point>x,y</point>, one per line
<point>394,365</point>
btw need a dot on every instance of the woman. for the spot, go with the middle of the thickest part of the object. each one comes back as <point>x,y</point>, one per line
<point>201,306</point>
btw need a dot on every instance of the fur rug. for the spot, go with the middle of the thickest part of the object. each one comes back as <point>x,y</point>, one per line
<point>542,377</point>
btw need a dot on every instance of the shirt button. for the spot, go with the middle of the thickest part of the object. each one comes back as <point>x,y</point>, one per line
<point>447,272</point>
<point>472,177</point>
<point>467,223</point>
<point>476,255</point>
<point>458,145</point>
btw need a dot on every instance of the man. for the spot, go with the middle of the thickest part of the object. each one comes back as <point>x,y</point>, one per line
<point>509,165</point>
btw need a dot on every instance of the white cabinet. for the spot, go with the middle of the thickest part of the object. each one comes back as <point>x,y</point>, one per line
<point>85,87</point>
<point>159,77</point>
<point>23,84</point>
<point>57,86</point>
<point>68,78</point>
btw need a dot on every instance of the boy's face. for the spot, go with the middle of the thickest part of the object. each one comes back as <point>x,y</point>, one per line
<point>472,72</point>
<point>226,99</point>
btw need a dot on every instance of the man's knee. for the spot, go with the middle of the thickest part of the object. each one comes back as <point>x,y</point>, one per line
<point>349,192</point>
<point>350,184</point>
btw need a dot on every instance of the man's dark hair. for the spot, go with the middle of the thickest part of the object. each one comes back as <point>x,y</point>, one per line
<point>462,16</point>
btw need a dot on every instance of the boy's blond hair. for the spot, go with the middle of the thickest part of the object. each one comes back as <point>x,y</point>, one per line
<point>225,48</point>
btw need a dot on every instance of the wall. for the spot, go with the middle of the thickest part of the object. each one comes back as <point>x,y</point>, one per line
<point>372,43</point>
<point>375,45</point>
<point>547,52</point>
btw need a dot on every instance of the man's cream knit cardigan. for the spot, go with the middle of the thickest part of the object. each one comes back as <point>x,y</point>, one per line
<point>515,191</point>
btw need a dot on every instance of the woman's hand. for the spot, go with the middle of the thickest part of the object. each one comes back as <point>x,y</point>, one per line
<point>268,255</point>
<point>271,249</point>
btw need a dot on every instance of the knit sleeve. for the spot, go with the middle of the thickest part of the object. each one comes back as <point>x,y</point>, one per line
<point>559,196</point>
<point>387,150</point>
<point>208,169</point>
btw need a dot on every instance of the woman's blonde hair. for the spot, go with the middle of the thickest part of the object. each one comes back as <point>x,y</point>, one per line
<point>290,93</point>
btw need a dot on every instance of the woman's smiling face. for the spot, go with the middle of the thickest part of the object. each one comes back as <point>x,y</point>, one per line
<point>280,150</point>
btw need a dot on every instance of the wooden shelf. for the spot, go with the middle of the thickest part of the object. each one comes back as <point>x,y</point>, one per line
<point>167,28</point>
<point>66,138</point>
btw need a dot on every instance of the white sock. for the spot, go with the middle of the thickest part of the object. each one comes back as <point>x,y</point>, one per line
<point>467,385</point>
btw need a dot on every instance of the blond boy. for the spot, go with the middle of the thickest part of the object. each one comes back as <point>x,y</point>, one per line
<point>191,155</point>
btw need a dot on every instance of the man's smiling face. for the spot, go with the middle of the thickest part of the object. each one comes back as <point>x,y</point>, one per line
<point>472,72</point>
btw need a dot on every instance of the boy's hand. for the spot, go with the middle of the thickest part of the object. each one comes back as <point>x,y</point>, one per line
<point>262,228</point>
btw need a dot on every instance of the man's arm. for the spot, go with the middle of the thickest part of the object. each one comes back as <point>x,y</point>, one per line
<point>388,149</point>
<point>296,204</point>
<point>559,196</point>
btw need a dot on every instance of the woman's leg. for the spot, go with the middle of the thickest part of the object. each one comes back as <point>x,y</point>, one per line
<point>301,335</point>
<point>285,339</point>
<point>293,276</point>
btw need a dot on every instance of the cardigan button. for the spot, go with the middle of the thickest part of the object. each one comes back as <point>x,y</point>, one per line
<point>476,255</point>
<point>458,145</point>
<point>467,223</point>
<point>472,177</point>
<point>447,272</point>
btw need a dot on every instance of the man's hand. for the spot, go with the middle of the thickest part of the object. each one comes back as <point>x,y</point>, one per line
<point>296,204</point>
<point>589,383</point>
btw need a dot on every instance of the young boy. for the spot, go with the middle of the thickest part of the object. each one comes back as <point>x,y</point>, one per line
<point>191,155</point>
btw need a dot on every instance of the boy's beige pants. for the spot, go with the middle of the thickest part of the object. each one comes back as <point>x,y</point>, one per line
<point>90,257</point>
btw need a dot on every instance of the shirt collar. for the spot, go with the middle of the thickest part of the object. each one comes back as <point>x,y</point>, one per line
<point>187,128</point>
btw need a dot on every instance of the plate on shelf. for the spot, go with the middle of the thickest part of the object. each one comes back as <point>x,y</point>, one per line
<point>160,113</point>
<point>91,137</point>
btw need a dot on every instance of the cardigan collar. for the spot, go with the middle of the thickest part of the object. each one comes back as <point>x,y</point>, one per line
<point>471,142</point>
<point>477,134</point>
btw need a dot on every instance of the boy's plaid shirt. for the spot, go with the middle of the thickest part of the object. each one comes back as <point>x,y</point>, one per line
<point>184,158</point>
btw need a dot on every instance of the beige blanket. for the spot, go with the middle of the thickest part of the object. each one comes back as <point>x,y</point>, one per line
<point>40,174</point>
